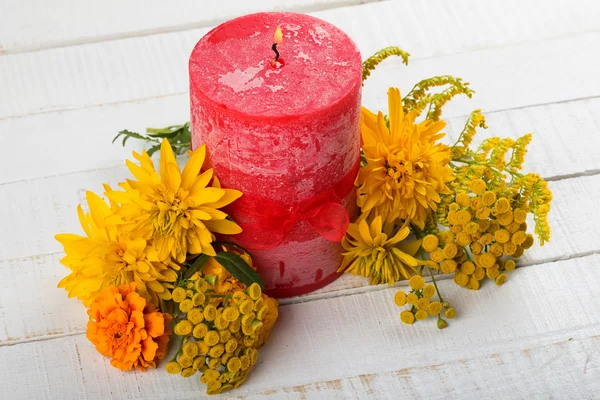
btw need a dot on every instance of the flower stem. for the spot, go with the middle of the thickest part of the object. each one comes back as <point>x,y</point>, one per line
<point>435,284</point>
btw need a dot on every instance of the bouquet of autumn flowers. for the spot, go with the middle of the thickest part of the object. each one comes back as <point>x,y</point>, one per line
<point>149,257</point>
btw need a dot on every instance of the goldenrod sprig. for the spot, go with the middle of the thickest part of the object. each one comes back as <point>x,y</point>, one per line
<point>370,63</point>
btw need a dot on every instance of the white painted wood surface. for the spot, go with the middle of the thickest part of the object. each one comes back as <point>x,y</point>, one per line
<point>72,73</point>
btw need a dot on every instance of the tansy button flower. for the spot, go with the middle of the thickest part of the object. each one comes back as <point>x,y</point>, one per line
<point>126,328</point>
<point>176,210</point>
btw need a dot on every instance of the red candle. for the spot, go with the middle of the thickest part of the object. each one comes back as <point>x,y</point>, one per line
<point>285,131</point>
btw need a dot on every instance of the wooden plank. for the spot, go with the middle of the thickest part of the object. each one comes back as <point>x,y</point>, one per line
<point>152,66</point>
<point>47,312</point>
<point>83,137</point>
<point>37,24</point>
<point>536,335</point>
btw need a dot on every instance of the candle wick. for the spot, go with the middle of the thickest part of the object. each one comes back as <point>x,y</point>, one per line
<point>274,48</point>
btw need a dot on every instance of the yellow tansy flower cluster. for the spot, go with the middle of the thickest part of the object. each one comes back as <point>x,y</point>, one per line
<point>419,299</point>
<point>484,227</point>
<point>220,331</point>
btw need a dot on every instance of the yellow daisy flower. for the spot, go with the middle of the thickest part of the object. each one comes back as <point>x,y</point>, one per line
<point>107,256</point>
<point>177,210</point>
<point>406,170</point>
<point>376,252</point>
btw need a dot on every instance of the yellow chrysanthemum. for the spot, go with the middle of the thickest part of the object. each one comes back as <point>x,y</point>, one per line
<point>177,210</point>
<point>370,253</point>
<point>406,170</point>
<point>107,256</point>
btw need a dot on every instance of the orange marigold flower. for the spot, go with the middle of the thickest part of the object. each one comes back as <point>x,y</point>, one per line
<point>126,328</point>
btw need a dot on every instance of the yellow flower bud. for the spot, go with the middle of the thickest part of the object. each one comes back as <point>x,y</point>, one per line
<point>185,361</point>
<point>220,322</point>
<point>476,203</point>
<point>195,315</point>
<point>450,313</point>
<point>520,215</point>
<point>231,314</point>
<point>486,239</point>
<point>186,305</point>
<point>472,227</point>
<point>488,198</point>
<point>173,367</point>
<point>178,296</point>
<point>473,283</point>
<point>235,326</point>
<point>430,243</point>
<point>245,362</point>
<point>429,291</point>
<point>510,265</point>
<point>199,362</point>
<point>502,236</point>
<point>246,307</point>
<point>468,267</point>
<point>258,304</point>
<point>497,249</point>
<point>513,227</point>
<point>453,207</point>
<point>203,348</point>
<point>450,250</point>
<point>456,228</point>
<point>463,217</point>
<point>224,336</point>
<point>486,260</point>
<point>200,330</point>
<point>412,299</point>
<point>463,239</point>
<point>500,279</point>
<point>478,186</point>
<point>435,308</point>
<point>509,248</point>
<point>234,364</point>
<point>518,237</point>
<point>449,266</point>
<point>198,299</point>
<point>492,272</point>
<point>217,351</point>
<point>190,349</point>
<point>211,338</point>
<point>461,279</point>
<point>188,372</point>
<point>447,236</point>
<point>214,363</point>
<point>483,213</point>
<point>442,324</point>
<point>437,255</point>
<point>502,205</point>
<point>423,304</point>
<point>254,291</point>
<point>183,328</point>
<point>407,317</point>
<point>528,242</point>
<point>476,248</point>
<point>211,375</point>
<point>210,312</point>
<point>479,273</point>
<point>262,312</point>
<point>505,218</point>
<point>416,282</point>
<point>421,315</point>
<point>400,298</point>
<point>231,345</point>
<point>463,199</point>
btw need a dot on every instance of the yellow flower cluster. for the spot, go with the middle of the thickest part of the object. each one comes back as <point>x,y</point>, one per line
<point>421,305</point>
<point>220,332</point>
<point>485,223</point>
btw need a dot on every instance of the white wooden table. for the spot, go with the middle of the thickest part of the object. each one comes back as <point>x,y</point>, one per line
<point>74,72</point>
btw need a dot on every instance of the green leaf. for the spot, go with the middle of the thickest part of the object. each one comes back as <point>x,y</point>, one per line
<point>239,268</point>
<point>153,149</point>
<point>196,266</point>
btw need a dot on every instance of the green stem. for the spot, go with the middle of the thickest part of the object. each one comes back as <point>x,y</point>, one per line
<point>436,286</point>
<point>179,349</point>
